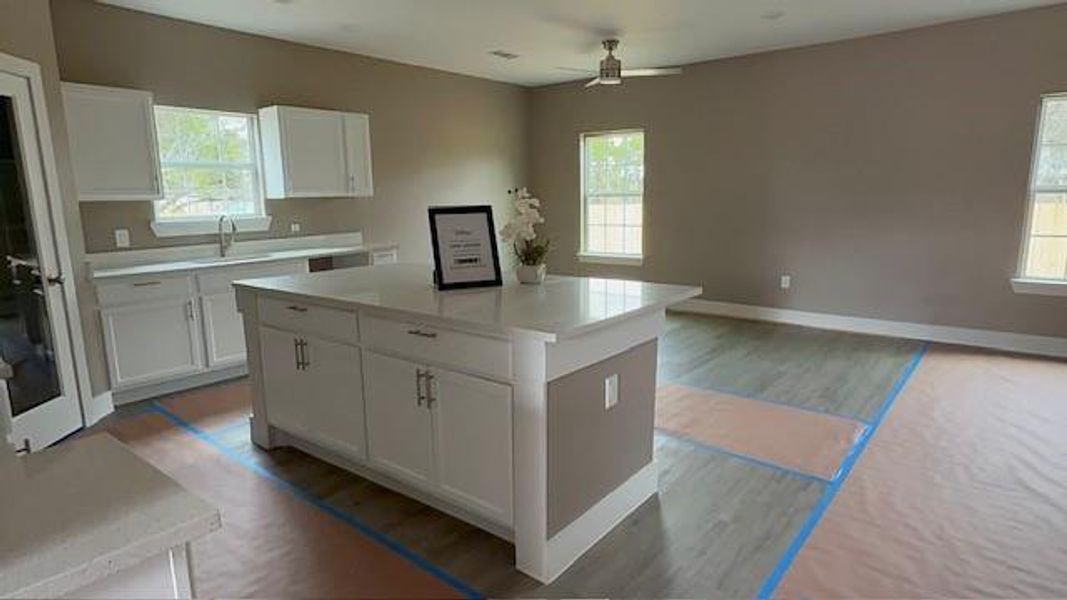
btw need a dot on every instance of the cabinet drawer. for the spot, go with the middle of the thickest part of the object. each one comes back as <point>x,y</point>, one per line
<point>142,289</point>
<point>467,352</point>
<point>221,280</point>
<point>302,317</point>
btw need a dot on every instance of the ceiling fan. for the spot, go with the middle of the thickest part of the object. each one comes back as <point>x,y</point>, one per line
<point>612,73</point>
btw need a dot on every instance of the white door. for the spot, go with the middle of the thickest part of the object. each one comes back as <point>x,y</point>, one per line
<point>314,152</point>
<point>151,341</point>
<point>224,334</point>
<point>398,419</point>
<point>332,415</point>
<point>280,355</point>
<point>472,435</point>
<point>39,396</point>
<point>113,147</point>
<point>357,154</point>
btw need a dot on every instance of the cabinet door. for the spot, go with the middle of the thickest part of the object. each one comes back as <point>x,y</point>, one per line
<point>152,341</point>
<point>472,427</point>
<point>314,153</point>
<point>357,153</point>
<point>332,386</point>
<point>112,142</point>
<point>224,334</point>
<point>398,422</point>
<point>279,358</point>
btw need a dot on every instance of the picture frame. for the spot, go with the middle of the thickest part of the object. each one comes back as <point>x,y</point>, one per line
<point>465,252</point>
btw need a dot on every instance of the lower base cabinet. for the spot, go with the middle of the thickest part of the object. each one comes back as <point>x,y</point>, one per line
<point>313,389</point>
<point>443,431</point>
<point>151,342</point>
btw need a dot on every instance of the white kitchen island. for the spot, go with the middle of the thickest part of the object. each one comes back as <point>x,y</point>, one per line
<point>526,410</point>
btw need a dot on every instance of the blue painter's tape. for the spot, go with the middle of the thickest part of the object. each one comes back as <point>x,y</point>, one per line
<point>771,584</point>
<point>742,457</point>
<point>306,496</point>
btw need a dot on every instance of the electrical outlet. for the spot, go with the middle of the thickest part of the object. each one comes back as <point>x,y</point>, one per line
<point>122,238</point>
<point>786,281</point>
<point>611,391</point>
<point>294,227</point>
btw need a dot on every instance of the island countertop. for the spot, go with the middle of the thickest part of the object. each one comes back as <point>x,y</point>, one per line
<point>561,307</point>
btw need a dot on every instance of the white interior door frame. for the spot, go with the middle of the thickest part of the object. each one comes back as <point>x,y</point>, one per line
<point>41,169</point>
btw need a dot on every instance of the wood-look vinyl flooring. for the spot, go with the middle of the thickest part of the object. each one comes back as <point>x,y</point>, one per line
<point>719,525</point>
<point>840,373</point>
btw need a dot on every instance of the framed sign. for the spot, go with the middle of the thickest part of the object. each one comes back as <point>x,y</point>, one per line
<point>464,247</point>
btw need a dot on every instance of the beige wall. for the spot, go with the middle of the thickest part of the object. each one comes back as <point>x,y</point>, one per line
<point>887,174</point>
<point>437,138</point>
<point>26,32</point>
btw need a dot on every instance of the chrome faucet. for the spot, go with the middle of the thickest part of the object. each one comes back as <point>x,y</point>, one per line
<point>225,242</point>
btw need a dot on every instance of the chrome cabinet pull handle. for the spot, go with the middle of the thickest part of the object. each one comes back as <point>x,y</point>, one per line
<point>145,283</point>
<point>301,309</point>
<point>430,398</point>
<point>304,353</point>
<point>419,374</point>
<point>189,314</point>
<point>296,354</point>
<point>426,334</point>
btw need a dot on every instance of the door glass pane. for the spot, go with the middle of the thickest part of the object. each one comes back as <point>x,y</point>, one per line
<point>28,368</point>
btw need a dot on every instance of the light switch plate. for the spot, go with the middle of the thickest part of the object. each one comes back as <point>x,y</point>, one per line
<point>294,227</point>
<point>611,391</point>
<point>786,281</point>
<point>122,238</point>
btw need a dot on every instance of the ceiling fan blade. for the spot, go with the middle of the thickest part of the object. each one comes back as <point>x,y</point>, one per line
<point>652,72</point>
<point>573,70</point>
<point>593,82</point>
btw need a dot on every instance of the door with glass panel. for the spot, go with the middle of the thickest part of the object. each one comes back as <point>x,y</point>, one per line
<point>38,391</point>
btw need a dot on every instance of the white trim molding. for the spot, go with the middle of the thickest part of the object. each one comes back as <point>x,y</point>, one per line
<point>983,338</point>
<point>180,227</point>
<point>1044,287</point>
<point>628,260</point>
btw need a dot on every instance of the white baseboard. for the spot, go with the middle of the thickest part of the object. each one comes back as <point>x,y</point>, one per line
<point>573,540</point>
<point>984,338</point>
<point>152,390</point>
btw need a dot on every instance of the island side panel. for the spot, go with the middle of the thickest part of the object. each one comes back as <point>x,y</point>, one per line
<point>593,448</point>
<point>247,305</point>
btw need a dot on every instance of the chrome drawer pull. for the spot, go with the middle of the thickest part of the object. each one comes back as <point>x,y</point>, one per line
<point>301,309</point>
<point>426,334</point>
<point>146,283</point>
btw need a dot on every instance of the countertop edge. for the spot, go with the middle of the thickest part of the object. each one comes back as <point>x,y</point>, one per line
<point>183,266</point>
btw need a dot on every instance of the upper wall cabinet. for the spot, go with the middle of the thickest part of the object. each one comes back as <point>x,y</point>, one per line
<point>311,153</point>
<point>112,142</point>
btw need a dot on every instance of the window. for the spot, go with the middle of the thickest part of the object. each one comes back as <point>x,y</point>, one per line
<point>210,168</point>
<point>1044,255</point>
<point>613,185</point>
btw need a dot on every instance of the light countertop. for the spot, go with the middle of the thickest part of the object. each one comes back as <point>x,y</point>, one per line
<point>76,513</point>
<point>199,264</point>
<point>560,307</point>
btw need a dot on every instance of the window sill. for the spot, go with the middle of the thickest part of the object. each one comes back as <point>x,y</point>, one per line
<point>178,228</point>
<point>1045,287</point>
<point>612,259</point>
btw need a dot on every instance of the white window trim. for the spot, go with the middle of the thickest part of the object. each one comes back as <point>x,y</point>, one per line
<point>633,260</point>
<point>177,227</point>
<point>1021,284</point>
<point>180,227</point>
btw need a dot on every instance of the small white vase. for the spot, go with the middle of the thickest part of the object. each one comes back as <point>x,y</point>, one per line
<point>531,273</point>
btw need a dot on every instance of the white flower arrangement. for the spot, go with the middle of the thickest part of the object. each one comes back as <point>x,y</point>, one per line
<point>521,230</point>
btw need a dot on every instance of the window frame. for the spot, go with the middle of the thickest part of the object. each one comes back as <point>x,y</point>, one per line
<point>1021,282</point>
<point>584,255</point>
<point>199,225</point>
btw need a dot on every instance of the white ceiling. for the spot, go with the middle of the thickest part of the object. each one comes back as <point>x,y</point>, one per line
<point>457,35</point>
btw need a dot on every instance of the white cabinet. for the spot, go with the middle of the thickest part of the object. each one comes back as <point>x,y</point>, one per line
<point>314,389</point>
<point>443,431</point>
<point>150,342</point>
<point>398,419</point>
<point>312,153</point>
<point>224,334</point>
<point>113,147</point>
<point>472,442</point>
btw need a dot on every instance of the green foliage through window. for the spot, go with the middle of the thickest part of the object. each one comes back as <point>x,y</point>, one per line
<point>209,164</point>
